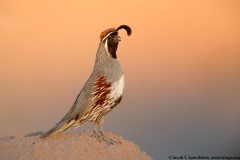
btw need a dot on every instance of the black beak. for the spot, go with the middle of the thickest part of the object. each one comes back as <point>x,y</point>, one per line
<point>117,39</point>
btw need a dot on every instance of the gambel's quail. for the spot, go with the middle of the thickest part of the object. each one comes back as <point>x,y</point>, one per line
<point>102,91</point>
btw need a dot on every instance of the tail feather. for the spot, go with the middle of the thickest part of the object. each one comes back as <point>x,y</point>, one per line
<point>58,128</point>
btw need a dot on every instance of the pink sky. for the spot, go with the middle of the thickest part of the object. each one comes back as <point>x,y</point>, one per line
<point>180,53</point>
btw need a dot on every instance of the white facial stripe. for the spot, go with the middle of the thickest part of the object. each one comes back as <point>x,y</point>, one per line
<point>106,46</point>
<point>106,36</point>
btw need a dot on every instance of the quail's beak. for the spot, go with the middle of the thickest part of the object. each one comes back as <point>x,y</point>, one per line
<point>117,39</point>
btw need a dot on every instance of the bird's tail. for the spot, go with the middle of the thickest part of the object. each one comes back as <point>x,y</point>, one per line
<point>58,128</point>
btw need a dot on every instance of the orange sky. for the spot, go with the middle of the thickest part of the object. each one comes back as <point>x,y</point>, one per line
<point>184,50</point>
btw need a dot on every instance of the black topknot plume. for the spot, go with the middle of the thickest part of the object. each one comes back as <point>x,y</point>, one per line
<point>127,28</point>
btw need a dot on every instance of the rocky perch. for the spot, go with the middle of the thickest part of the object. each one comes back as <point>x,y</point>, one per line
<point>71,146</point>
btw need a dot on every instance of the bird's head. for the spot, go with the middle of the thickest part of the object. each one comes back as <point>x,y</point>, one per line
<point>110,39</point>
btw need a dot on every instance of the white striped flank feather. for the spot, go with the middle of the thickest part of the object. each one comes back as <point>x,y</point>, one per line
<point>117,89</point>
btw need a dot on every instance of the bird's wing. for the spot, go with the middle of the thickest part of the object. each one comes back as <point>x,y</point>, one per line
<point>83,100</point>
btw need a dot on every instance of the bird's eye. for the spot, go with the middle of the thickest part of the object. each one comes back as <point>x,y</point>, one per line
<point>109,37</point>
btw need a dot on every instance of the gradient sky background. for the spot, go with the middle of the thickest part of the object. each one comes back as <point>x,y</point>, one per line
<point>182,69</point>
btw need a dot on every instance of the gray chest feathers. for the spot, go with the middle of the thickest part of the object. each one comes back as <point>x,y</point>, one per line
<point>106,96</point>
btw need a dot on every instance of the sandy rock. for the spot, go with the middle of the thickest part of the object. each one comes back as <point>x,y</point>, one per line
<point>72,146</point>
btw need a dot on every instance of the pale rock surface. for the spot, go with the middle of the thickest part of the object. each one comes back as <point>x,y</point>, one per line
<point>71,146</point>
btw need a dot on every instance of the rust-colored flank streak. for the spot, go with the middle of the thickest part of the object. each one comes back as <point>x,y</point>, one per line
<point>102,91</point>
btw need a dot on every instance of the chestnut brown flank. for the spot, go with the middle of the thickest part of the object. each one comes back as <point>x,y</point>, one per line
<point>101,92</point>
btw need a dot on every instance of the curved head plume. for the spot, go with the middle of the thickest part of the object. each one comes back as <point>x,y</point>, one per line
<point>109,31</point>
<point>127,28</point>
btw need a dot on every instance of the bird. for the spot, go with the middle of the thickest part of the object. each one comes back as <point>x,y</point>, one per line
<point>102,91</point>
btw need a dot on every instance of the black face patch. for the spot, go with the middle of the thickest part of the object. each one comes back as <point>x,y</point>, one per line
<point>112,44</point>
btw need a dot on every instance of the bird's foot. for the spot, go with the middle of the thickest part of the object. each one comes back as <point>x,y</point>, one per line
<point>100,136</point>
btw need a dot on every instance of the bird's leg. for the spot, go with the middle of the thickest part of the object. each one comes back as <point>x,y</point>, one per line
<point>99,133</point>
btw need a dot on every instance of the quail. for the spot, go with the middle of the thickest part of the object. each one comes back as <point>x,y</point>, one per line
<point>102,91</point>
